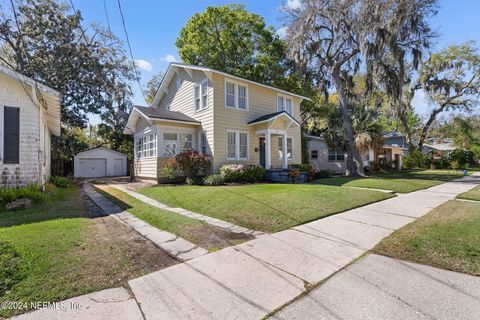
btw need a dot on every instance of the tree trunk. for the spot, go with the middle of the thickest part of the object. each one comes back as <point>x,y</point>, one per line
<point>427,125</point>
<point>354,162</point>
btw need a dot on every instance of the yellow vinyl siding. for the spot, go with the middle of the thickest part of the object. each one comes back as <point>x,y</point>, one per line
<point>262,101</point>
<point>181,100</point>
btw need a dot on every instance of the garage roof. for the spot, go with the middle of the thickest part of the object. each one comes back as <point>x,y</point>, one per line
<point>103,148</point>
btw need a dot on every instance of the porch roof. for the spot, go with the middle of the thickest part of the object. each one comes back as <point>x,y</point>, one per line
<point>272,116</point>
<point>150,114</point>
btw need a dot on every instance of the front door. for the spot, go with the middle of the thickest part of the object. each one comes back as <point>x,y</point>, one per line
<point>261,144</point>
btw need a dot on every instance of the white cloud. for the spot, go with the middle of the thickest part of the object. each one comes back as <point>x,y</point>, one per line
<point>282,32</point>
<point>169,58</point>
<point>143,64</point>
<point>294,4</point>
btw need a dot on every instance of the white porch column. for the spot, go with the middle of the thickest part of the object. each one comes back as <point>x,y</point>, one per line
<point>284,151</point>
<point>268,151</point>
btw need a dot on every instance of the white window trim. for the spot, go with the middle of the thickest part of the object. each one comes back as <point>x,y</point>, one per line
<point>141,136</point>
<point>285,97</point>
<point>291,153</point>
<point>237,144</point>
<point>236,83</point>
<point>202,106</point>
<point>337,153</point>
<point>202,132</point>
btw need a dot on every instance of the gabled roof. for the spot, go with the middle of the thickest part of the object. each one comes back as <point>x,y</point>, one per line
<point>11,73</point>
<point>272,116</point>
<point>156,113</point>
<point>40,95</point>
<point>440,146</point>
<point>150,114</point>
<point>172,69</point>
<point>103,148</point>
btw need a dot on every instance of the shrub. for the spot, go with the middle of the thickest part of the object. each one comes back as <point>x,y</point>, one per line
<point>61,182</point>
<point>170,169</point>
<point>214,180</point>
<point>194,181</point>
<point>322,174</point>
<point>10,267</point>
<point>416,159</point>
<point>31,191</point>
<point>303,167</point>
<point>242,173</point>
<point>193,163</point>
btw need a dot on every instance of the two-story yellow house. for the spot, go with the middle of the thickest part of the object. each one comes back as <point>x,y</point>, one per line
<point>231,119</point>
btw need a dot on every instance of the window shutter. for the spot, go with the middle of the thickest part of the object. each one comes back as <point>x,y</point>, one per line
<point>11,140</point>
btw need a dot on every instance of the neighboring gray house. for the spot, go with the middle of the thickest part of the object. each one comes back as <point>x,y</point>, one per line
<point>323,157</point>
<point>29,116</point>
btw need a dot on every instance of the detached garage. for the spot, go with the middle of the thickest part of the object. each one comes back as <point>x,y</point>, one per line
<point>99,162</point>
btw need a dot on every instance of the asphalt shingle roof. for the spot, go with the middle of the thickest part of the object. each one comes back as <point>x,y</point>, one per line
<point>270,116</point>
<point>156,113</point>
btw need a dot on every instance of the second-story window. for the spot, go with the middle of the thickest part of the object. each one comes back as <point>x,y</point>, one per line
<point>284,104</point>
<point>230,94</point>
<point>236,95</point>
<point>200,95</point>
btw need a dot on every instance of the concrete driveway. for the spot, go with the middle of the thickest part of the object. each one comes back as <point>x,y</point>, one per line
<point>377,287</point>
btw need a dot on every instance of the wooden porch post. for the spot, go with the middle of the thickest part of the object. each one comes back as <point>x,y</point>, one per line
<point>284,151</point>
<point>268,151</point>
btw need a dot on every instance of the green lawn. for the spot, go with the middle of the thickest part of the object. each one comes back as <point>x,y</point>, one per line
<point>400,181</point>
<point>448,237</point>
<point>473,194</point>
<point>265,207</point>
<point>195,231</point>
<point>61,253</point>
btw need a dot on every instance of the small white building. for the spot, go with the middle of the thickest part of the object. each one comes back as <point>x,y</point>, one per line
<point>29,117</point>
<point>99,162</point>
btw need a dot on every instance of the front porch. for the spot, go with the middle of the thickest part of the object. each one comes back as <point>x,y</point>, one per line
<point>274,125</point>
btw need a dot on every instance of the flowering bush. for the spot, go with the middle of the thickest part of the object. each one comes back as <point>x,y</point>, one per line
<point>193,163</point>
<point>170,169</point>
<point>214,180</point>
<point>242,173</point>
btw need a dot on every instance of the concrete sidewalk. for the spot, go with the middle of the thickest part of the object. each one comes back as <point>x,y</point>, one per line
<point>250,280</point>
<point>378,287</point>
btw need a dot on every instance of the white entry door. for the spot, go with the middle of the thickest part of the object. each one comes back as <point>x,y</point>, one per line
<point>118,167</point>
<point>90,168</point>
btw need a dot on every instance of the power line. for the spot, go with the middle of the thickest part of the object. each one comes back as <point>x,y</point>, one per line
<point>130,49</point>
<point>106,15</point>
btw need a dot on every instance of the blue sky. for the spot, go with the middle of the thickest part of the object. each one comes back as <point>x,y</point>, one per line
<point>153,27</point>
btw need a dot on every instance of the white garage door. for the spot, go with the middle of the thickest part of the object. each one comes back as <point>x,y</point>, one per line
<point>118,167</point>
<point>89,168</point>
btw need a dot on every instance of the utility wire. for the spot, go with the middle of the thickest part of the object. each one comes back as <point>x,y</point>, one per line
<point>106,15</point>
<point>130,49</point>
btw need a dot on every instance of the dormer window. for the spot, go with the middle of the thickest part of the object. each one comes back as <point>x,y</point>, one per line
<point>236,95</point>
<point>285,104</point>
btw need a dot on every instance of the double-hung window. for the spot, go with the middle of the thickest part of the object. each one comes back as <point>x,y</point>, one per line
<point>289,148</point>
<point>314,154</point>
<point>169,144</point>
<point>200,95</point>
<point>284,104</point>
<point>237,145</point>
<point>203,142</point>
<point>236,95</point>
<point>335,154</point>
